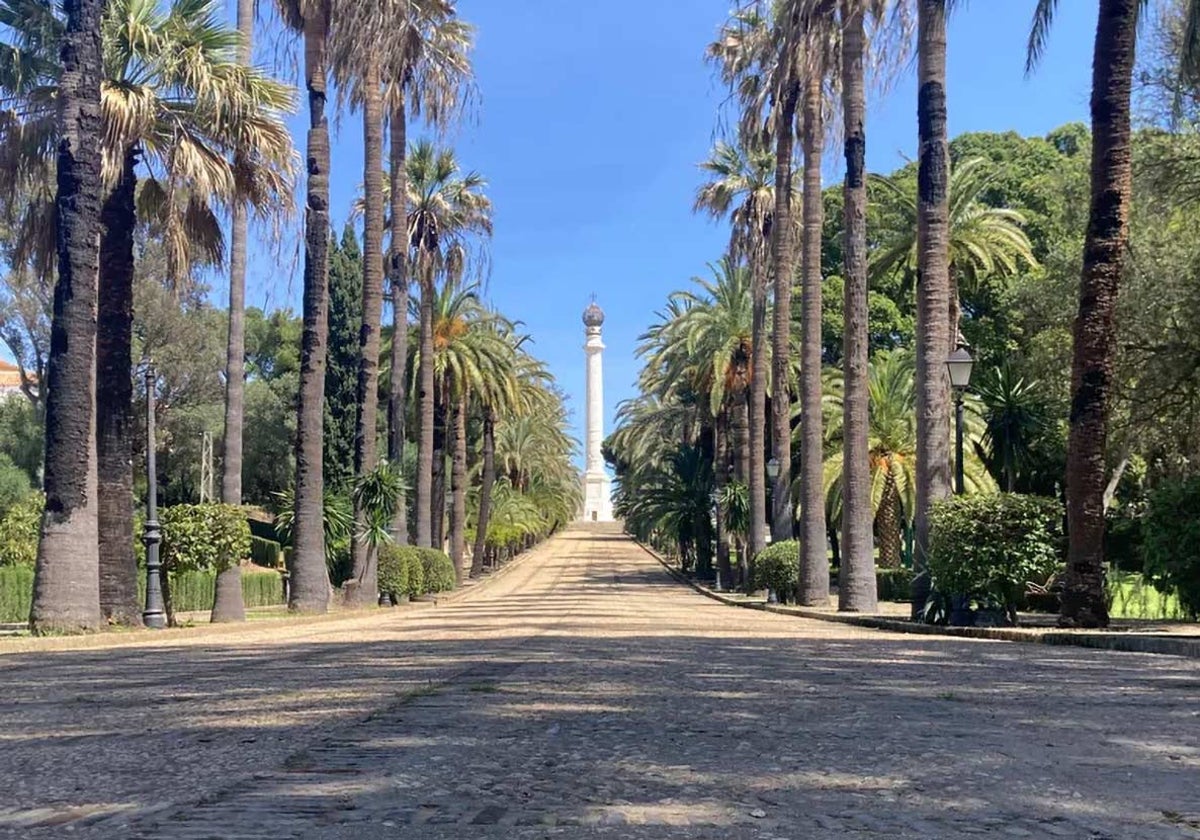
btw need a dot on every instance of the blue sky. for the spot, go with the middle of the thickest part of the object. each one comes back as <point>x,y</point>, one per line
<point>592,120</point>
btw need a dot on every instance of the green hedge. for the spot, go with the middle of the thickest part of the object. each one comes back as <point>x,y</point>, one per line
<point>191,591</point>
<point>16,593</point>
<point>266,553</point>
<point>19,530</point>
<point>439,570</point>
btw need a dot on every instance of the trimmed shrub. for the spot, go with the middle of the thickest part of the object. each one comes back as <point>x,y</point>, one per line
<point>393,570</point>
<point>266,553</point>
<point>16,593</point>
<point>415,569</point>
<point>439,570</point>
<point>989,547</point>
<point>777,567</point>
<point>1171,542</point>
<point>19,527</point>
<point>893,584</point>
<point>204,537</point>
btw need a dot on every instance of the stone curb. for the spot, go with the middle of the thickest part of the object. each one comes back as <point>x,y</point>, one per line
<point>1124,642</point>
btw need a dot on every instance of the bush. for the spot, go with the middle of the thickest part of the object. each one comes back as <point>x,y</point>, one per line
<point>266,553</point>
<point>893,584</point>
<point>14,484</point>
<point>393,570</point>
<point>260,588</point>
<point>988,547</point>
<point>415,570</point>
<point>16,593</point>
<point>777,567</point>
<point>439,570</point>
<point>204,537</point>
<point>19,530</point>
<point>1171,542</point>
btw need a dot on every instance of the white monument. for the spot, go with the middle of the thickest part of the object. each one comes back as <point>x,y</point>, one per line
<point>597,488</point>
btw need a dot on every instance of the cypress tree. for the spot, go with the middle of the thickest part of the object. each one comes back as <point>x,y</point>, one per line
<point>341,373</point>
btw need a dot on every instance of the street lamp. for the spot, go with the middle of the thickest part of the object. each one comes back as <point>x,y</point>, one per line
<point>959,365</point>
<point>154,616</point>
<point>773,469</point>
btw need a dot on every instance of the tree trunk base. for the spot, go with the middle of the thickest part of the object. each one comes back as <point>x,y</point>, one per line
<point>228,605</point>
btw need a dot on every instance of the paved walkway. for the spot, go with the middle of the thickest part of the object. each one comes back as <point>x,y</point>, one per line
<point>584,693</point>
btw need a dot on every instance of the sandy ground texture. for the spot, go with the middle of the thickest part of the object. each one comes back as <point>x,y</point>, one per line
<point>584,693</point>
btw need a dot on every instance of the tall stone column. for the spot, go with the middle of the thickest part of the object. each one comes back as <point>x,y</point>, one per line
<point>597,488</point>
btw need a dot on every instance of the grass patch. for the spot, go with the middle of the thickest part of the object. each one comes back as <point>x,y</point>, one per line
<point>1133,597</point>
<point>483,688</point>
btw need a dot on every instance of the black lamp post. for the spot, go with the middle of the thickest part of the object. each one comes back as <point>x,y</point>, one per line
<point>959,365</point>
<point>154,616</point>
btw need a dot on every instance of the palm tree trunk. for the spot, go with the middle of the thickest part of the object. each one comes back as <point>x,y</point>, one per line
<point>66,586</point>
<point>458,485</point>
<point>756,465</point>
<point>114,402</point>
<point>1095,328</point>
<point>888,525</point>
<point>487,483</point>
<point>235,348</point>
<point>856,582</point>
<point>783,247</point>
<point>720,474</point>
<point>741,437</point>
<point>424,500</point>
<point>228,604</point>
<point>310,580</point>
<point>398,279</point>
<point>437,500</point>
<point>933,299</point>
<point>364,572</point>
<point>814,560</point>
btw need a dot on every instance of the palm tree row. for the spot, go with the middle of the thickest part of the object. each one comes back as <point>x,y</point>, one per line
<point>785,63</point>
<point>192,130</point>
<point>176,107</point>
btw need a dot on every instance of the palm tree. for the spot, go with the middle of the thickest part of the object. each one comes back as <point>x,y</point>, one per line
<point>428,70</point>
<point>235,350</point>
<point>448,215</point>
<point>814,565</point>
<point>310,589</point>
<point>984,241</point>
<point>66,579</point>
<point>741,188</point>
<point>892,465</point>
<point>1093,362</point>
<point>518,387</point>
<point>173,92</point>
<point>471,357</point>
<point>1015,417</point>
<point>713,333</point>
<point>856,573</point>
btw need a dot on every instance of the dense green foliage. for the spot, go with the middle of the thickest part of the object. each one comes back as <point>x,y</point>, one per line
<point>1172,541</point>
<point>14,484</point>
<point>19,531</point>
<point>777,567</point>
<point>393,570</point>
<point>342,359</point>
<point>406,570</point>
<point>438,571</point>
<point>991,547</point>
<point>16,593</point>
<point>204,537</point>
<point>266,553</point>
